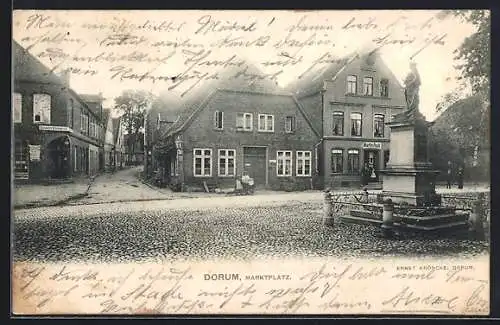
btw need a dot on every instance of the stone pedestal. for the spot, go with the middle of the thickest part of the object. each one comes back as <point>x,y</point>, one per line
<point>409,176</point>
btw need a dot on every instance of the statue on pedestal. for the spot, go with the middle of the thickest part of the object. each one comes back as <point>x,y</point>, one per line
<point>412,85</point>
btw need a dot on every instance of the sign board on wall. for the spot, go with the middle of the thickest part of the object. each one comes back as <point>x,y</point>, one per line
<point>372,145</point>
<point>55,128</point>
<point>34,152</point>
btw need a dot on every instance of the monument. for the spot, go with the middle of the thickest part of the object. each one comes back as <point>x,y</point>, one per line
<point>409,201</point>
<point>409,176</point>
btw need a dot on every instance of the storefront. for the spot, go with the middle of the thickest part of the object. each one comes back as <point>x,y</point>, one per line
<point>350,161</point>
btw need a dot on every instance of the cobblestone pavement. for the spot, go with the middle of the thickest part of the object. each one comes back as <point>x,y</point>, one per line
<point>239,228</point>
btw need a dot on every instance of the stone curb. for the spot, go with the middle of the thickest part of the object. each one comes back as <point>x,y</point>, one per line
<point>33,205</point>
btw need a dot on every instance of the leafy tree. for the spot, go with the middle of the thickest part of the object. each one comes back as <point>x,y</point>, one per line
<point>132,106</point>
<point>474,54</point>
<point>473,59</point>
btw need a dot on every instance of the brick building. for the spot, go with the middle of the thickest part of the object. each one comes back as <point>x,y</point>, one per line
<point>233,125</point>
<point>56,134</point>
<point>349,100</point>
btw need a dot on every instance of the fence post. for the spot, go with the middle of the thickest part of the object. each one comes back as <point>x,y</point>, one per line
<point>327,208</point>
<point>388,219</point>
<point>476,218</point>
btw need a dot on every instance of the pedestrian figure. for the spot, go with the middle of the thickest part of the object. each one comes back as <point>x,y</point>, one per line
<point>460,175</point>
<point>448,175</point>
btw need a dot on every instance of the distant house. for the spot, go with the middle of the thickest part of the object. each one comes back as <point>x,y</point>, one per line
<point>461,135</point>
<point>233,126</point>
<point>119,142</point>
<point>56,133</point>
<point>350,100</point>
<point>109,141</point>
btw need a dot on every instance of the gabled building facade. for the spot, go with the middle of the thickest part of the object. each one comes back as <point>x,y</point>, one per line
<point>229,129</point>
<point>349,101</point>
<point>119,146</point>
<point>109,141</point>
<point>56,134</point>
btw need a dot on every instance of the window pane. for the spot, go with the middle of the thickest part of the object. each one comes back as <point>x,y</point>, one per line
<point>207,166</point>
<point>248,121</point>
<point>230,164</point>
<point>288,153</point>
<point>222,166</point>
<point>338,123</point>
<point>207,152</point>
<point>231,153</point>
<point>356,124</point>
<point>269,123</point>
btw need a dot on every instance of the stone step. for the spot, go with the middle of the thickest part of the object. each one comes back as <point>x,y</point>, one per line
<point>405,226</point>
<point>360,220</point>
<point>446,226</point>
<point>432,217</point>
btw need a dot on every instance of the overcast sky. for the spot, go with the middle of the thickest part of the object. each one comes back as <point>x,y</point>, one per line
<point>334,32</point>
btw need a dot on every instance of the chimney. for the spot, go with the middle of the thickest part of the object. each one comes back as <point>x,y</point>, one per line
<point>65,76</point>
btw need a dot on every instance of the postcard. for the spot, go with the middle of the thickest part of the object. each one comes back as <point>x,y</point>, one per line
<point>226,162</point>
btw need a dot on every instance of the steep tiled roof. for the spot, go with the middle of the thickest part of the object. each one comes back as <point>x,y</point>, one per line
<point>92,98</point>
<point>27,67</point>
<point>312,80</point>
<point>233,78</point>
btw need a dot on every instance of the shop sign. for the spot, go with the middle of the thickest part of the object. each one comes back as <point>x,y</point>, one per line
<point>372,145</point>
<point>54,128</point>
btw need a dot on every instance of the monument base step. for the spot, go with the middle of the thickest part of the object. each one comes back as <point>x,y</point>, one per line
<point>432,222</point>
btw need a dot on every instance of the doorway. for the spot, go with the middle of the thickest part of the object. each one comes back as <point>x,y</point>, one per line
<point>371,159</point>
<point>58,154</point>
<point>254,163</point>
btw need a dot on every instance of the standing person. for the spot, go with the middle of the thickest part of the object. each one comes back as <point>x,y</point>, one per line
<point>448,175</point>
<point>460,175</point>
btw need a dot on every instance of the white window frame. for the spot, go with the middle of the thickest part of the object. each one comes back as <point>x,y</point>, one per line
<point>17,112</point>
<point>349,82</point>
<point>264,128</point>
<point>365,84</point>
<point>350,152</point>
<point>36,110</point>
<point>292,125</point>
<point>337,151</point>
<point>300,158</point>
<point>284,158</point>
<point>202,157</point>
<point>361,125</point>
<point>226,156</point>
<point>244,128</point>
<point>383,125</point>
<point>334,114</point>
<point>216,126</point>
